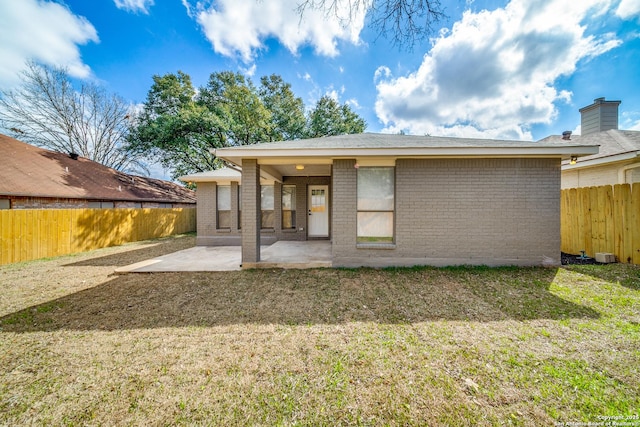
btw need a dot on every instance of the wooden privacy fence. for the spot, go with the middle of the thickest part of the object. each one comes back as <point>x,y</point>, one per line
<point>39,233</point>
<point>602,219</point>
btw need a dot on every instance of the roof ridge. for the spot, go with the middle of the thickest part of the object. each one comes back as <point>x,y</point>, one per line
<point>622,139</point>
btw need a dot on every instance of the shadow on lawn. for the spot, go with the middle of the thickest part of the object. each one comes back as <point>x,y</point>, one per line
<point>628,276</point>
<point>159,248</point>
<point>323,296</point>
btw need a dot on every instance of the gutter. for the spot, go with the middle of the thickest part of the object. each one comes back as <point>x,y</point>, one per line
<point>602,160</point>
<point>408,152</point>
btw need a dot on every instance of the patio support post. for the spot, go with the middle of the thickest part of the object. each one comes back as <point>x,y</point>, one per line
<point>235,218</point>
<point>251,210</point>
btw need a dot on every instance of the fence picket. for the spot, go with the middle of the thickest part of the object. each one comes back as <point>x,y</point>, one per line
<point>602,219</point>
<point>39,233</point>
<point>635,223</point>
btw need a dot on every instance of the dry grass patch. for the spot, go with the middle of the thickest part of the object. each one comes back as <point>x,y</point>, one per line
<point>458,346</point>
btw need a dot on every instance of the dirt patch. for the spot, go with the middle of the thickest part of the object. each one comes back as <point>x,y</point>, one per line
<point>36,282</point>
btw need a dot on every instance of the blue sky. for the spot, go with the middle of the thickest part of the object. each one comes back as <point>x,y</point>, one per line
<point>516,69</point>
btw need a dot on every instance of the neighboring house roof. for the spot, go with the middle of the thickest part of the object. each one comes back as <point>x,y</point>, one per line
<point>615,145</point>
<point>30,171</point>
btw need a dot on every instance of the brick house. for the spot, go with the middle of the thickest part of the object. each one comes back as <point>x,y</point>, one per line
<point>618,159</point>
<point>391,200</point>
<point>35,178</point>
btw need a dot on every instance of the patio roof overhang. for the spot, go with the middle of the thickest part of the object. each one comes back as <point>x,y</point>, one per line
<point>276,161</point>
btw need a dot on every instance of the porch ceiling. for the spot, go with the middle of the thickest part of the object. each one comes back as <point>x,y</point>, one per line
<point>290,170</point>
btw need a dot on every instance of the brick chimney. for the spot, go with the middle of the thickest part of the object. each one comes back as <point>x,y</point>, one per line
<point>599,117</point>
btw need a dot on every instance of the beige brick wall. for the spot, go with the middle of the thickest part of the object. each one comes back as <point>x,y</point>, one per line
<point>206,212</point>
<point>458,211</point>
<point>344,206</point>
<point>208,233</point>
<point>250,209</point>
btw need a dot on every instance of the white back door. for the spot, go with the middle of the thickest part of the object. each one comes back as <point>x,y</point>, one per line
<point>318,205</point>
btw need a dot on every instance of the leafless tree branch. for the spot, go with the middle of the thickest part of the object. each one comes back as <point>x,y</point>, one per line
<point>404,22</point>
<point>46,110</point>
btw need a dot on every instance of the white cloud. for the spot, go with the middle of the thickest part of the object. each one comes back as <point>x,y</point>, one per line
<point>240,27</point>
<point>42,31</point>
<point>249,71</point>
<point>134,5</point>
<point>333,94</point>
<point>630,120</point>
<point>628,9</point>
<point>493,74</point>
<point>352,102</point>
<point>635,126</point>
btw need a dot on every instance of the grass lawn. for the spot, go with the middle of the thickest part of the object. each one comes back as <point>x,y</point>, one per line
<point>423,346</point>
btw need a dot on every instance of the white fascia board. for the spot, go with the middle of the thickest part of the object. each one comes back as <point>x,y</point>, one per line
<point>218,179</point>
<point>601,161</point>
<point>337,153</point>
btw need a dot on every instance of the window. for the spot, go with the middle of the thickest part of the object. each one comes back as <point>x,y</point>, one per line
<point>376,204</point>
<point>268,215</point>
<point>224,206</point>
<point>288,207</point>
<point>101,205</point>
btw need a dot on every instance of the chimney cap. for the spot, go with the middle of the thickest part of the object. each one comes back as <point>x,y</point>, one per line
<point>597,102</point>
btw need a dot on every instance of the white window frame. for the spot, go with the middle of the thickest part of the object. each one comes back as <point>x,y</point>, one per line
<point>368,207</point>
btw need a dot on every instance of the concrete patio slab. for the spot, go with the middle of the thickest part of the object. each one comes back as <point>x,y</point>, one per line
<point>309,254</point>
<point>287,254</point>
<point>199,258</point>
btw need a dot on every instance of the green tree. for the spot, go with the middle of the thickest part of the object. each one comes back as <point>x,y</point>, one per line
<point>178,126</point>
<point>330,118</point>
<point>175,129</point>
<point>287,111</point>
<point>235,99</point>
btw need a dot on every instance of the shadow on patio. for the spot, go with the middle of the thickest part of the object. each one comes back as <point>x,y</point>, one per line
<point>321,296</point>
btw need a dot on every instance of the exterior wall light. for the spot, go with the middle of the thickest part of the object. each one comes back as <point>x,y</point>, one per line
<point>299,167</point>
<point>573,160</point>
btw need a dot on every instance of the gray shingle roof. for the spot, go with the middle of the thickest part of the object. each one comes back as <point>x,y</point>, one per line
<point>379,140</point>
<point>612,142</point>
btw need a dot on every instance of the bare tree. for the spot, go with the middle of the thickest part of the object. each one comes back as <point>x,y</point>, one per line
<point>404,22</point>
<point>47,111</point>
